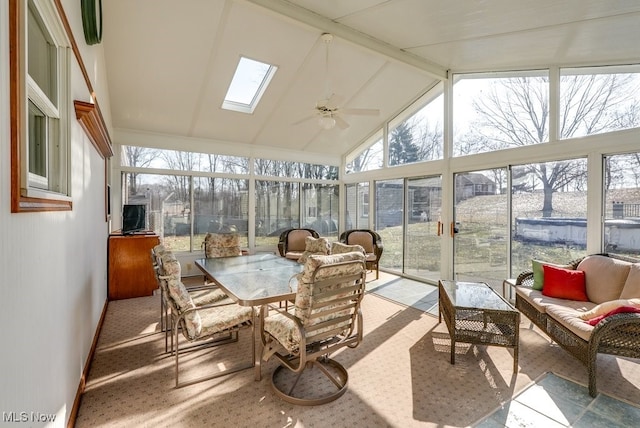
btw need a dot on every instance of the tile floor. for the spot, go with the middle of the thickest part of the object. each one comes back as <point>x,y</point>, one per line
<point>551,402</point>
<point>557,402</point>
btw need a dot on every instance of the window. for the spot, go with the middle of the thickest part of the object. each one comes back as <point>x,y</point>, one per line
<point>368,159</point>
<point>146,157</point>
<point>498,111</point>
<point>364,203</point>
<point>320,208</point>
<point>549,212</point>
<point>417,134</point>
<point>248,84</point>
<point>40,73</point>
<point>595,100</point>
<point>622,204</point>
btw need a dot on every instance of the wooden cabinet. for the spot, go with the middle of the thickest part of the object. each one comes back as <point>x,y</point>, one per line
<point>130,269</point>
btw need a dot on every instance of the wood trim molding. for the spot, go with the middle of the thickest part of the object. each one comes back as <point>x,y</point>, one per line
<point>73,414</point>
<point>19,202</point>
<point>89,119</point>
<point>85,74</point>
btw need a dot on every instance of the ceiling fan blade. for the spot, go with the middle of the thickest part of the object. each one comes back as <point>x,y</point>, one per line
<point>304,119</point>
<point>360,111</point>
<point>334,101</point>
<point>340,122</point>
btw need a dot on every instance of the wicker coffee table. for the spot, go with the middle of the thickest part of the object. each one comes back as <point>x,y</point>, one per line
<point>474,313</point>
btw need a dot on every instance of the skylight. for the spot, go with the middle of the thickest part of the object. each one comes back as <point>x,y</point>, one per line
<point>248,84</point>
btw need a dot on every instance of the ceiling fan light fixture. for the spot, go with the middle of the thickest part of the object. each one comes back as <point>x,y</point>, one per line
<point>326,122</point>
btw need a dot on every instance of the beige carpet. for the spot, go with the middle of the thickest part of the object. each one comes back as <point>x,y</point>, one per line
<point>400,376</point>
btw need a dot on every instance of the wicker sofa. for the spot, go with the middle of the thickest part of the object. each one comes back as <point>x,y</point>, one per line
<point>610,282</point>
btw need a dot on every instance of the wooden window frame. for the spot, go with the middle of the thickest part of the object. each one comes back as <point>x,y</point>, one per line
<point>88,114</point>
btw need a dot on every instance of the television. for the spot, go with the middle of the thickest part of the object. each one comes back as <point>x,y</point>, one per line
<point>133,218</point>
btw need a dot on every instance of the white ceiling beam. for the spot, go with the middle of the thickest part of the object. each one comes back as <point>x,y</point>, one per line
<point>324,24</point>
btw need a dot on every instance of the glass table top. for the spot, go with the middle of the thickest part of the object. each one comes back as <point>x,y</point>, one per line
<point>255,279</point>
<point>474,295</point>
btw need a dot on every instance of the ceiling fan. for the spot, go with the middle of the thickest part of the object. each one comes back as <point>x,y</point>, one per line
<point>328,111</point>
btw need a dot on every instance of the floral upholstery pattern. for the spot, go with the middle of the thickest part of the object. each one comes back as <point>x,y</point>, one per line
<point>221,245</point>
<point>208,296</point>
<point>304,295</point>
<point>200,322</point>
<point>171,267</point>
<point>313,245</point>
<point>340,248</point>
<point>159,250</point>
<point>219,318</point>
<point>183,302</point>
<point>285,329</point>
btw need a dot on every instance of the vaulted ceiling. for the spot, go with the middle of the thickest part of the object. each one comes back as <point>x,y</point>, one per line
<point>170,62</point>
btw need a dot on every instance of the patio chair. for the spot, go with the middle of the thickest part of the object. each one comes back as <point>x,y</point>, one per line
<point>221,245</point>
<point>292,242</point>
<point>326,317</point>
<point>167,267</point>
<point>370,241</point>
<point>207,325</point>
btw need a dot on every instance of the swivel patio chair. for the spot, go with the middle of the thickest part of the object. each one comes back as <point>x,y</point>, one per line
<point>370,241</point>
<point>292,243</point>
<point>326,317</point>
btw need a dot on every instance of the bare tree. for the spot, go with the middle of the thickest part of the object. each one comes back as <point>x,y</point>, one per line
<point>138,157</point>
<point>514,112</point>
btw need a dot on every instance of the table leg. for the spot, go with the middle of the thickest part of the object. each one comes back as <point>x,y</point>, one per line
<point>453,350</point>
<point>257,325</point>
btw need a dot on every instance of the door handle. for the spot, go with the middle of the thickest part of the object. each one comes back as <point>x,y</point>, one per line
<point>453,229</point>
<point>440,227</point>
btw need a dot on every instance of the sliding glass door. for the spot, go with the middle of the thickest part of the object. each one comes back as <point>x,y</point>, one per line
<point>389,224</point>
<point>480,227</point>
<point>424,229</point>
<point>408,220</point>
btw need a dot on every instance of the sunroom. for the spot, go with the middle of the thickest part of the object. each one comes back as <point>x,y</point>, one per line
<point>472,138</point>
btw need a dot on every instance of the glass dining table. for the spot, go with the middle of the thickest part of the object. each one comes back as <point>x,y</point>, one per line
<point>253,280</point>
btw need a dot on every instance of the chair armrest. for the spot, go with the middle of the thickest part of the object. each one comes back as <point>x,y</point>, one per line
<point>621,331</point>
<point>525,279</point>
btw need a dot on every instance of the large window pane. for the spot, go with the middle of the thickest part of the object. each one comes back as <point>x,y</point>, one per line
<point>362,217</point>
<point>146,157</point>
<point>390,222</point>
<point>168,207</point>
<point>622,204</point>
<point>422,247</point>
<point>499,111</point>
<point>370,158</point>
<point>594,100</point>
<point>320,208</point>
<point>417,134</point>
<point>289,169</point>
<point>480,227</point>
<point>277,209</point>
<point>357,215</point>
<point>220,205</point>
<point>549,207</point>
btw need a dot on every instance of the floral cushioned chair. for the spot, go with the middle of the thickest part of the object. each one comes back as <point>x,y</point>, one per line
<point>221,245</point>
<point>210,324</point>
<point>166,268</point>
<point>326,317</point>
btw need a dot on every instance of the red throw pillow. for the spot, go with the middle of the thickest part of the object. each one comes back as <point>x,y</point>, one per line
<point>564,284</point>
<point>621,309</point>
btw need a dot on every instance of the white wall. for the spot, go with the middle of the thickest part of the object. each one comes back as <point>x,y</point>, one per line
<point>52,264</point>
